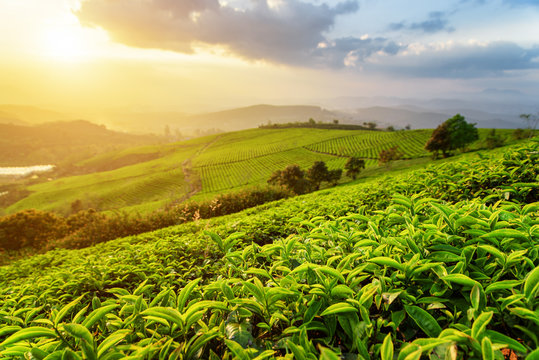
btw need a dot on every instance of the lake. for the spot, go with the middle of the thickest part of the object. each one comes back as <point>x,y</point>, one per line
<point>24,170</point>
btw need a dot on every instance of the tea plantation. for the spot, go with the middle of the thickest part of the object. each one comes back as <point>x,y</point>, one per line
<point>437,263</point>
<point>204,167</point>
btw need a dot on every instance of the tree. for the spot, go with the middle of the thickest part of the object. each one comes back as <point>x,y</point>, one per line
<point>454,133</point>
<point>292,178</point>
<point>317,173</point>
<point>494,140</point>
<point>388,155</point>
<point>439,141</point>
<point>461,132</point>
<point>353,166</point>
<point>531,122</point>
<point>371,125</point>
<point>334,176</point>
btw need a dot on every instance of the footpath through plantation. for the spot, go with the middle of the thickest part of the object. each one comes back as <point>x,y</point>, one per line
<point>439,263</point>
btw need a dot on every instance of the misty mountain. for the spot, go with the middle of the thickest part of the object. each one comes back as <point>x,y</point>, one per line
<point>420,118</point>
<point>20,114</point>
<point>61,142</point>
<point>252,116</point>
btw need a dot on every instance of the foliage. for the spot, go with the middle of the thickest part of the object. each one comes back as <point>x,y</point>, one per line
<point>388,155</point>
<point>494,140</point>
<point>334,176</point>
<point>317,173</point>
<point>30,228</point>
<point>441,261</point>
<point>461,133</point>
<point>353,166</point>
<point>291,178</point>
<point>439,141</point>
<point>454,133</point>
<point>46,230</point>
<point>391,271</point>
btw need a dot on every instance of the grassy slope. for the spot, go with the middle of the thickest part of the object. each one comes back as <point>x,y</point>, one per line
<point>170,258</point>
<point>223,163</point>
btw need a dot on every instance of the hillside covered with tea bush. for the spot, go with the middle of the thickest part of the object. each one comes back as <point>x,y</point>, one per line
<point>437,263</point>
<point>144,179</point>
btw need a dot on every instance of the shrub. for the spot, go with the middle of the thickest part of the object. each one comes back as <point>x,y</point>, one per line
<point>30,228</point>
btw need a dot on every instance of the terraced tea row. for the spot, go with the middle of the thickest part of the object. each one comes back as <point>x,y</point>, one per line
<point>370,144</point>
<point>257,170</point>
<point>249,144</point>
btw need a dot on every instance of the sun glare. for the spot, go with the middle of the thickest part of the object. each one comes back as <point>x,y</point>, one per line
<point>64,44</point>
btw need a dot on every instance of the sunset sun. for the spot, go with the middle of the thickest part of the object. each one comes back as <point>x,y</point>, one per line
<point>64,44</point>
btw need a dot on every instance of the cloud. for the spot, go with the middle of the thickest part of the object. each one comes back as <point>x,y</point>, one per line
<point>436,22</point>
<point>286,31</point>
<point>472,60</point>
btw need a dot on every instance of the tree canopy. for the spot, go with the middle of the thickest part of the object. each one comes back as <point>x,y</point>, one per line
<point>353,166</point>
<point>455,133</point>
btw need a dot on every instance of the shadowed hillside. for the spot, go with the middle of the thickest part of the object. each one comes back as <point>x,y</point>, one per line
<point>56,142</point>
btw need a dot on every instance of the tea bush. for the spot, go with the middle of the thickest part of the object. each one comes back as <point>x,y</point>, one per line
<point>438,263</point>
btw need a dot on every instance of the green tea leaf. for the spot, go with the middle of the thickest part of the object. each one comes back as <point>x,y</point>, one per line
<point>63,312</point>
<point>424,320</point>
<point>460,279</point>
<point>531,284</point>
<point>79,331</point>
<point>486,349</point>
<point>386,261</point>
<point>98,314</point>
<point>386,351</point>
<point>111,341</point>
<point>338,309</point>
<point>33,332</point>
<point>480,324</point>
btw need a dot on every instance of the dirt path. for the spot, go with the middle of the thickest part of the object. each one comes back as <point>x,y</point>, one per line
<point>190,176</point>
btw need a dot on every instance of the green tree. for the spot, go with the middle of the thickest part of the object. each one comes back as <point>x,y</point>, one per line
<point>334,176</point>
<point>455,133</point>
<point>353,166</point>
<point>317,173</point>
<point>461,132</point>
<point>388,155</point>
<point>291,178</point>
<point>371,125</point>
<point>439,141</point>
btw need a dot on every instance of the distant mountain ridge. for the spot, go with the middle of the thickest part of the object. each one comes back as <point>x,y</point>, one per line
<point>22,114</point>
<point>252,116</point>
<point>420,118</point>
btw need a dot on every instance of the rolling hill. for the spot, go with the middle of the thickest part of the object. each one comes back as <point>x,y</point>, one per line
<point>203,167</point>
<point>61,142</point>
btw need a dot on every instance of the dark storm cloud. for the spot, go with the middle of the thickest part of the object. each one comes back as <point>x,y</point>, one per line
<point>436,22</point>
<point>465,61</point>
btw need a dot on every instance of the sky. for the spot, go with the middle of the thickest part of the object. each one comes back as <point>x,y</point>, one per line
<point>197,55</point>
